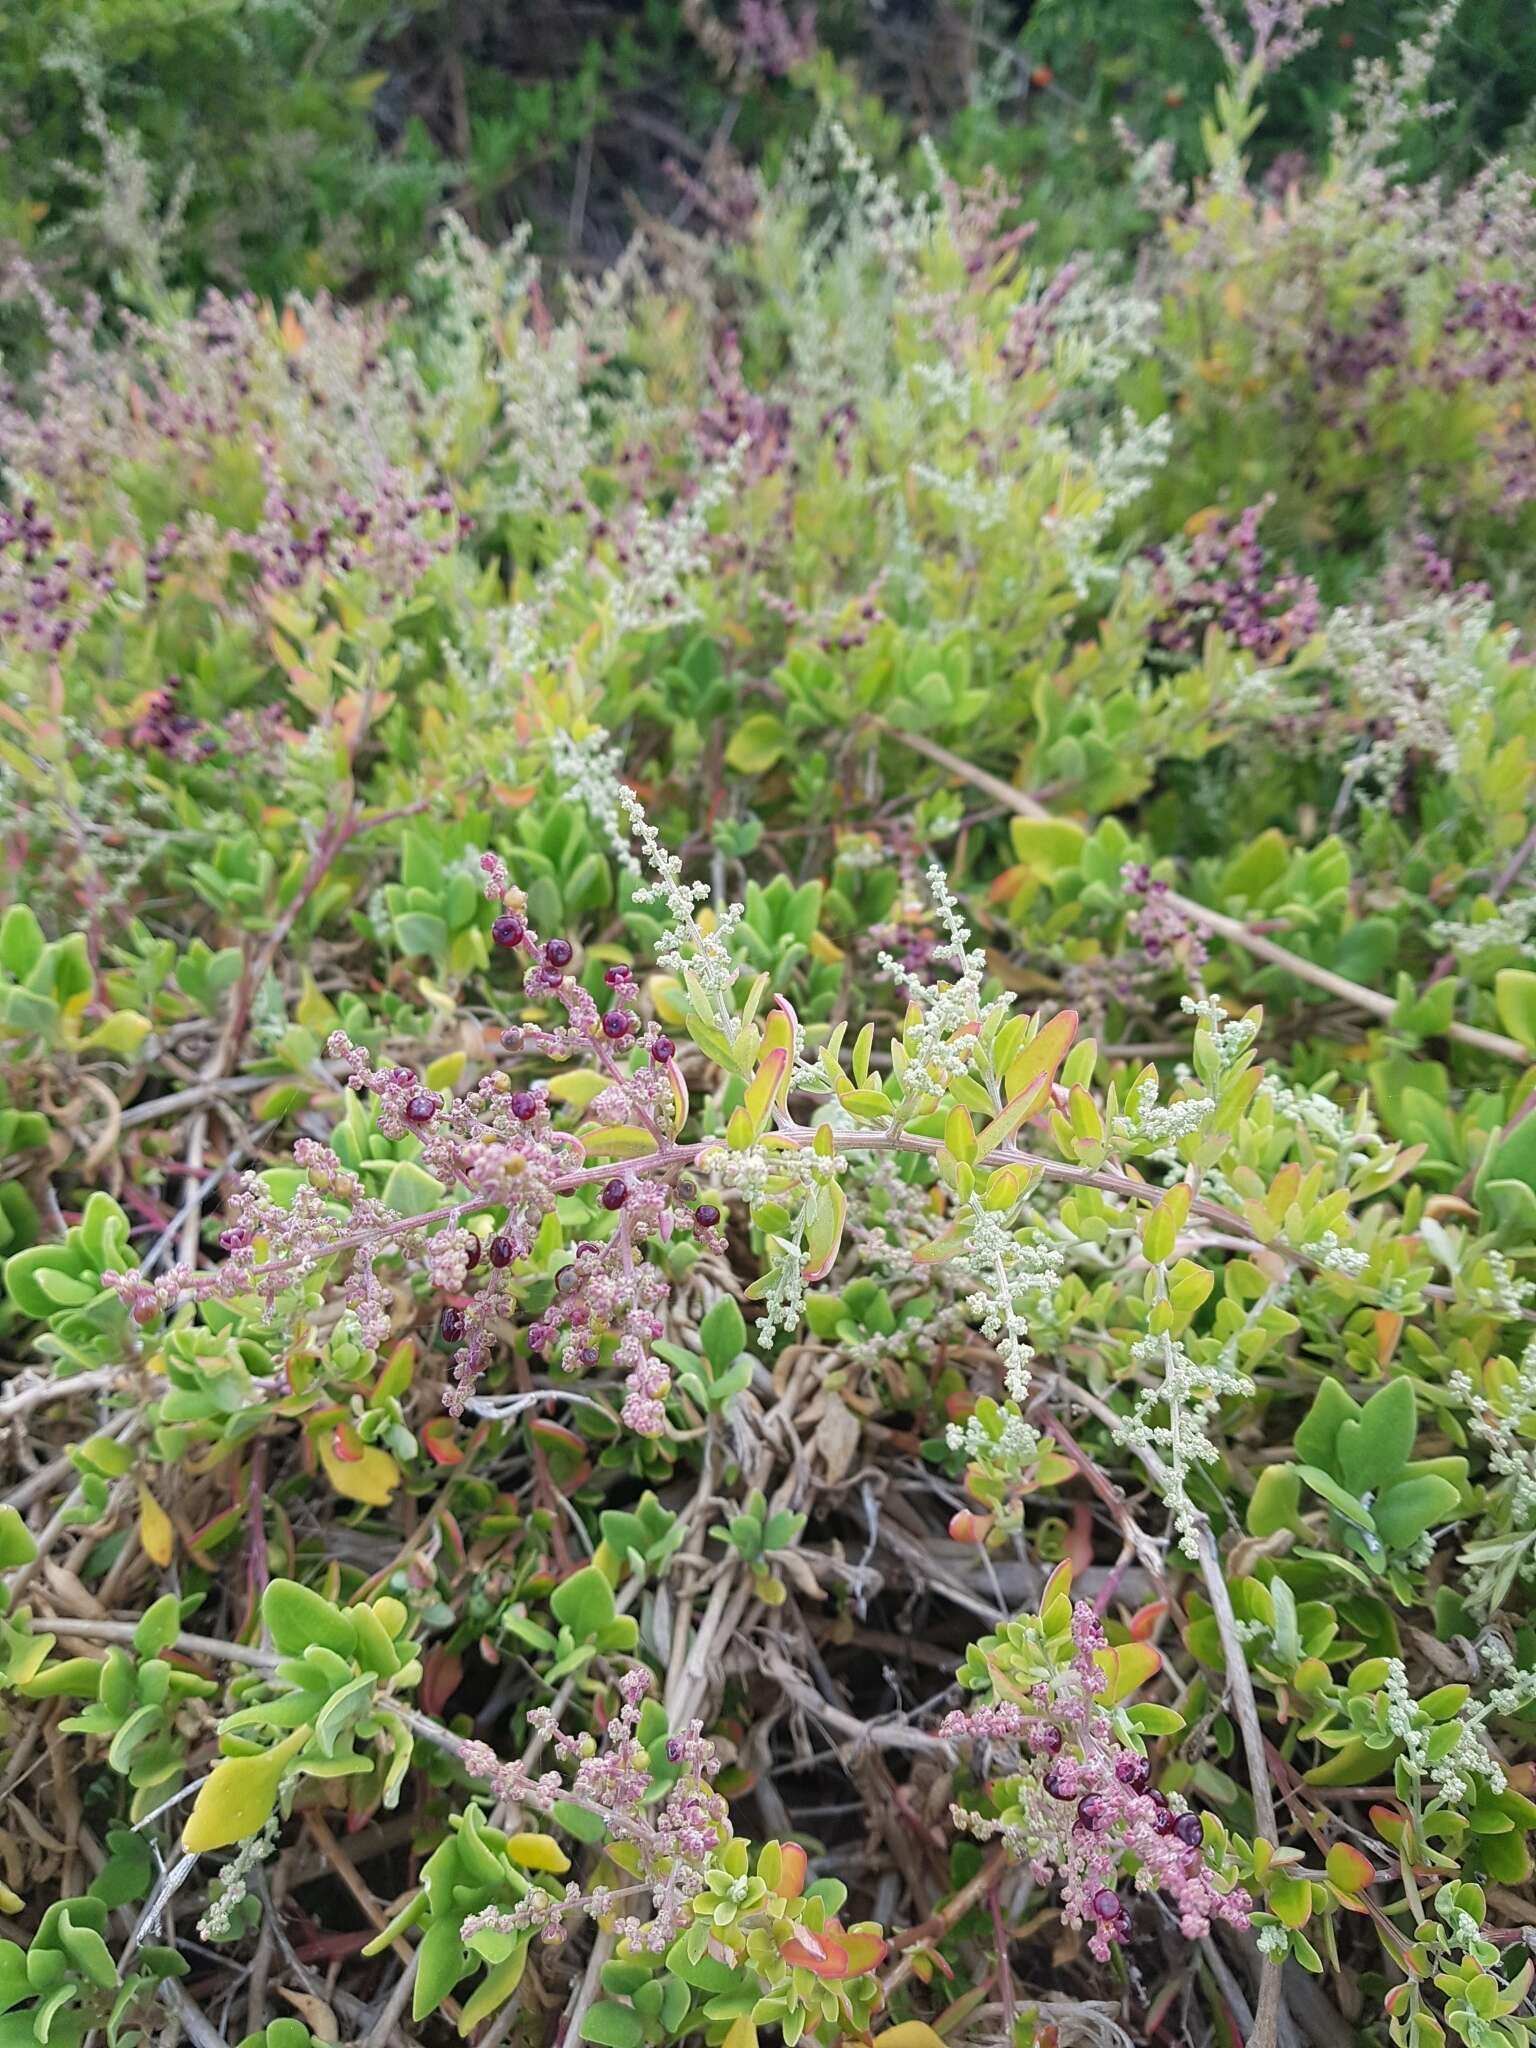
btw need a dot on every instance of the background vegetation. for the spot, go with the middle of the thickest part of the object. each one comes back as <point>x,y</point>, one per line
<point>767,1161</point>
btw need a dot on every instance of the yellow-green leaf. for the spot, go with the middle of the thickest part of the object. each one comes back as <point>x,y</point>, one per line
<point>371,1477</point>
<point>155,1531</point>
<point>538,1852</point>
<point>237,1799</point>
<point>616,1141</point>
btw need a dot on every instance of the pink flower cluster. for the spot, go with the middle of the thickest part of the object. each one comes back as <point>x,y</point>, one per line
<point>496,1141</point>
<point>1229,582</point>
<point>675,1838</point>
<point>1083,1810</point>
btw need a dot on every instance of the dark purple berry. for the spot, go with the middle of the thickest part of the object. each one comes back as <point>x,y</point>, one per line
<point>615,1193</point>
<point>512,1038</point>
<point>674,1750</point>
<point>548,977</point>
<point>1164,1821</point>
<point>524,1105</point>
<point>1189,1831</point>
<point>662,1050</point>
<point>472,1253</point>
<point>1059,1783</point>
<point>1090,1812</point>
<point>501,1251</point>
<point>589,1354</point>
<point>706,1215</point>
<point>421,1109</point>
<point>617,977</point>
<point>566,1279</point>
<point>508,930</point>
<point>453,1326</point>
<point>559,952</point>
<point>617,1024</point>
<point>1048,1740</point>
<point>1135,1772</point>
<point>1106,1905</point>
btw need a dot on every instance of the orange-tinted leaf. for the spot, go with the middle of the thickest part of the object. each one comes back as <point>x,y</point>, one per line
<point>1349,1869</point>
<point>438,1440</point>
<point>1125,1669</point>
<point>965,1527</point>
<point>818,1953</point>
<point>792,1870</point>
<point>1144,1621</point>
<point>865,1950</point>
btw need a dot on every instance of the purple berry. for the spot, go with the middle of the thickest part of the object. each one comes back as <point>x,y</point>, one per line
<point>1047,1739</point>
<point>507,930</point>
<point>1090,1812</point>
<point>662,1050</point>
<point>706,1215</point>
<point>617,977</point>
<point>1135,1772</point>
<point>512,1038</point>
<point>1059,1783</point>
<point>453,1326</point>
<point>1164,1821</point>
<point>615,1193</point>
<point>559,952</point>
<point>472,1253</point>
<point>566,1279</point>
<point>674,1750</point>
<point>617,1023</point>
<point>1106,1905</point>
<point>501,1252</point>
<point>589,1354</point>
<point>524,1105</point>
<point>1189,1831</point>
<point>421,1109</point>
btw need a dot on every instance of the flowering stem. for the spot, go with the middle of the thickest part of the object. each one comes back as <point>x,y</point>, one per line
<point>1232,929</point>
<point>1266,2021</point>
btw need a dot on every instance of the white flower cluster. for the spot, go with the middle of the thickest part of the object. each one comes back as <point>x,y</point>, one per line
<point>1502,1292</point>
<point>1231,1036</point>
<point>1321,1115</point>
<point>1454,1775</point>
<point>1387,97</point>
<point>1336,1256</point>
<point>1511,924</point>
<point>1013,1447</point>
<point>665,549</point>
<point>1006,1267</point>
<point>1502,1431</point>
<point>589,770</point>
<point>949,1007</point>
<point>511,641</point>
<point>1418,672</point>
<point>1146,1121</point>
<point>1122,467</point>
<point>1190,1394</point>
